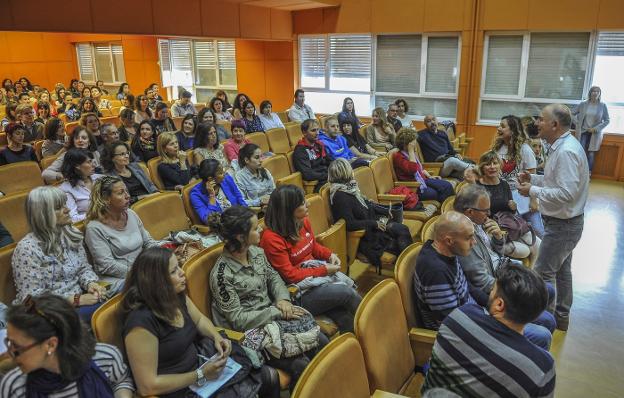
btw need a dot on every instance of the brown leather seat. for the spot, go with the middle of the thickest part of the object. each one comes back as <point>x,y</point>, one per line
<point>186,200</point>
<point>7,285</point>
<point>338,370</point>
<point>293,129</point>
<point>152,166</point>
<point>162,213</point>
<point>381,329</point>
<point>106,323</point>
<point>278,140</point>
<point>15,177</point>
<point>260,139</point>
<point>332,236</point>
<point>308,186</point>
<point>448,204</point>
<point>13,214</point>
<point>427,231</point>
<point>278,166</point>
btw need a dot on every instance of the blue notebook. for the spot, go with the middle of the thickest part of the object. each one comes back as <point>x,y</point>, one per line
<point>211,386</point>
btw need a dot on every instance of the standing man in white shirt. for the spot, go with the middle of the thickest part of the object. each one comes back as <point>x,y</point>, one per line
<point>562,193</point>
<point>299,111</point>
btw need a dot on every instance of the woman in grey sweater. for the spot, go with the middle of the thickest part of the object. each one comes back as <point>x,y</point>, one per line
<point>591,117</point>
<point>114,234</point>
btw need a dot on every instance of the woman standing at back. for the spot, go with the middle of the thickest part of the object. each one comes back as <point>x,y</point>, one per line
<point>592,116</point>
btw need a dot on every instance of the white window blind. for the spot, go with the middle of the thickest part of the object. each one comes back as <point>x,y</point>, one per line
<point>227,62</point>
<point>165,62</point>
<point>181,63</point>
<point>85,62</point>
<point>398,63</point>
<point>504,62</point>
<point>442,65</point>
<point>103,62</point>
<point>350,62</point>
<point>557,65</point>
<point>313,59</point>
<point>205,63</point>
<point>118,63</point>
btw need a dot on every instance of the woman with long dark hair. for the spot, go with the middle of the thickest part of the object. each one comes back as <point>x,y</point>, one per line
<point>348,115</point>
<point>80,176</point>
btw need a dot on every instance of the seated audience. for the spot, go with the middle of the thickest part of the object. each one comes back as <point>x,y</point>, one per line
<point>73,88</point>
<point>206,146</point>
<point>336,145</point>
<point>206,115</point>
<point>16,151</point>
<point>380,132</point>
<point>247,292</point>
<point>163,330</point>
<point>80,138</point>
<point>100,85</point>
<point>54,135</point>
<point>60,93</point>
<point>402,116</point>
<point>382,234</point>
<point>109,134</point>
<point>358,144</point>
<point>238,107</point>
<point>86,92</point>
<point>238,140</point>
<point>173,169</point>
<point>309,156</point>
<point>222,95</point>
<point>114,234</point>
<point>129,128</point>
<point>291,248</point>
<point>23,99</point>
<point>255,182</point>
<point>5,236</point>
<point>392,118</point>
<point>436,147</point>
<point>144,144</point>
<point>408,168</point>
<point>44,98</point>
<point>514,150</point>
<point>152,99</point>
<point>156,89</point>
<point>92,123</point>
<point>216,192</point>
<point>497,343</point>
<point>127,102</point>
<point>69,108</point>
<point>116,162</point>
<point>220,111</point>
<point>161,121</point>
<point>79,176</point>
<point>10,115</point>
<point>26,115</point>
<point>269,119</point>
<point>251,120</point>
<point>300,111</point>
<point>540,158</point>
<point>440,284</point>
<point>87,105</point>
<point>502,201</point>
<point>348,115</point>
<point>101,103</point>
<point>142,110</point>
<point>183,106</point>
<point>57,356</point>
<point>43,112</point>
<point>124,89</point>
<point>51,258</point>
<point>186,134</point>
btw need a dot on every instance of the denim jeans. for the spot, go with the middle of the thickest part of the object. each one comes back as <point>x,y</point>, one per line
<point>538,335</point>
<point>585,139</point>
<point>339,302</point>
<point>554,260</point>
<point>436,190</point>
<point>454,167</point>
<point>86,312</point>
<point>535,219</point>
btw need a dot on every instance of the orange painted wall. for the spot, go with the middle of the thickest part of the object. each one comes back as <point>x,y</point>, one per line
<point>470,17</point>
<point>264,70</point>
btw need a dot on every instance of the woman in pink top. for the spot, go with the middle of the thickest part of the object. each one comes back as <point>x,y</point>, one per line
<point>233,145</point>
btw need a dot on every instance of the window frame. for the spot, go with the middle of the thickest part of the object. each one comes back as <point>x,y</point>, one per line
<point>92,46</point>
<point>372,93</point>
<point>524,66</point>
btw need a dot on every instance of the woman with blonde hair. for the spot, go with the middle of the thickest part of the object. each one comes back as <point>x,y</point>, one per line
<point>380,132</point>
<point>114,234</point>
<point>174,170</point>
<point>51,258</point>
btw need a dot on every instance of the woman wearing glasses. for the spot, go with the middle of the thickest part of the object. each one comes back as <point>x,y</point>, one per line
<point>57,357</point>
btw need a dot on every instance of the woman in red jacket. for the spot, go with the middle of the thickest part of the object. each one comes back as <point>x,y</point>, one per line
<point>408,168</point>
<point>289,244</point>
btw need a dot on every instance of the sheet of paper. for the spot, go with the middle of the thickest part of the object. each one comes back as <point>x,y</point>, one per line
<point>211,386</point>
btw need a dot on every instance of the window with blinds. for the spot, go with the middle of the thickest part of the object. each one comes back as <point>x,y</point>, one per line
<point>200,66</point>
<point>313,61</point>
<point>442,69</point>
<point>101,61</point>
<point>398,64</point>
<point>350,63</point>
<point>523,72</point>
<point>607,74</point>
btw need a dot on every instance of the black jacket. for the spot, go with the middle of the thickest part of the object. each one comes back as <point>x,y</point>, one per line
<point>312,162</point>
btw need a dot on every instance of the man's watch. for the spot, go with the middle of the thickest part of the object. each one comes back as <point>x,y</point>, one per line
<point>201,379</point>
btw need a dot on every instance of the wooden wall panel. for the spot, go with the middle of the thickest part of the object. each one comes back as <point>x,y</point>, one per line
<point>257,22</point>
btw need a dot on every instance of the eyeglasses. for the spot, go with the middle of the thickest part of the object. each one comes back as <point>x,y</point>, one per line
<point>486,211</point>
<point>14,350</point>
<point>31,307</point>
<point>124,154</point>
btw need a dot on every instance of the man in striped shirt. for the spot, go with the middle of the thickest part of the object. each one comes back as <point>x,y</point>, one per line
<point>481,353</point>
<point>440,284</point>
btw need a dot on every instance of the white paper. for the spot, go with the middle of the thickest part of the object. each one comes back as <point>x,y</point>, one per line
<point>211,386</point>
<point>522,202</point>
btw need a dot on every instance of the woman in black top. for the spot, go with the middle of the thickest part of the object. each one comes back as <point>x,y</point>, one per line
<point>358,144</point>
<point>144,143</point>
<point>128,128</point>
<point>348,203</point>
<point>116,161</point>
<point>16,151</point>
<point>348,115</point>
<point>162,122</point>
<point>489,176</point>
<point>186,134</point>
<point>174,170</point>
<point>161,327</point>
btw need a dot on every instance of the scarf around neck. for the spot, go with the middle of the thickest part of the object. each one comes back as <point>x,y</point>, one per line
<point>92,384</point>
<point>350,188</point>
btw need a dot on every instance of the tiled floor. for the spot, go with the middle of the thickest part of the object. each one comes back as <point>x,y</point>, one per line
<point>590,356</point>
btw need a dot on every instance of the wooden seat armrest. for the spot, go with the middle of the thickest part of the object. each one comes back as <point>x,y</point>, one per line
<point>432,165</point>
<point>202,229</point>
<point>232,335</point>
<point>422,335</point>
<point>412,185</point>
<point>386,197</point>
<point>353,242</point>
<point>312,182</point>
<point>308,186</point>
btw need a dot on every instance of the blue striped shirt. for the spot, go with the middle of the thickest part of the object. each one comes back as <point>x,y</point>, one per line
<point>477,356</point>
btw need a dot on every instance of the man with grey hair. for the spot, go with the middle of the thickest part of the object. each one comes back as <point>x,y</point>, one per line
<point>562,193</point>
<point>436,147</point>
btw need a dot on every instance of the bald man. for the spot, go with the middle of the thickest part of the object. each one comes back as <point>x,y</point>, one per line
<point>440,284</point>
<point>436,147</point>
